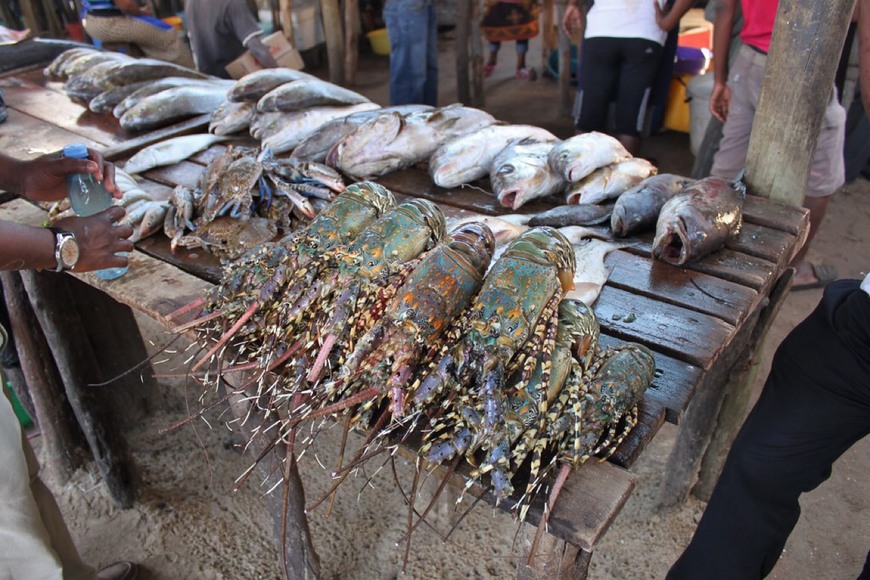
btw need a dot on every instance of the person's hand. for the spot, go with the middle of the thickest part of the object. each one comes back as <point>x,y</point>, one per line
<point>572,20</point>
<point>719,101</point>
<point>44,178</point>
<point>662,20</point>
<point>99,238</point>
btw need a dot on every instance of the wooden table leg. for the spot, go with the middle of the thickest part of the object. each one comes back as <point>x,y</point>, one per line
<point>555,560</point>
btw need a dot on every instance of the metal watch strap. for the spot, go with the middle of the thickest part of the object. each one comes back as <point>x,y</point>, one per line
<point>59,236</point>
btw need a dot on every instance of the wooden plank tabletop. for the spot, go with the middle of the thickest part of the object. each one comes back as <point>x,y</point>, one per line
<point>688,316</point>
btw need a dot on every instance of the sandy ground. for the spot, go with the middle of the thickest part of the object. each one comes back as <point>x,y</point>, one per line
<point>190,523</point>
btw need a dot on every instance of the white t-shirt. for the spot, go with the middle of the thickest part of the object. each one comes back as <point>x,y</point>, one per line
<point>865,284</point>
<point>624,19</point>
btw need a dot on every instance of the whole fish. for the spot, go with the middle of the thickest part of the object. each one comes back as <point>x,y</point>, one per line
<point>160,85</point>
<point>84,61</point>
<point>520,172</point>
<point>81,88</point>
<point>698,220</point>
<point>54,69</point>
<point>583,214</point>
<point>264,125</point>
<point>394,141</point>
<point>610,181</point>
<point>578,156</point>
<point>171,105</point>
<point>170,151</point>
<point>253,86</point>
<point>639,207</point>
<point>231,118</point>
<point>299,125</point>
<point>151,221</point>
<point>306,93</point>
<point>469,157</point>
<point>145,69</point>
<point>317,145</point>
<point>107,100</point>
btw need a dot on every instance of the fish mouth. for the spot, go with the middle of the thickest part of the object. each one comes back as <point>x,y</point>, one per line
<point>572,199</point>
<point>673,248</point>
<point>509,198</point>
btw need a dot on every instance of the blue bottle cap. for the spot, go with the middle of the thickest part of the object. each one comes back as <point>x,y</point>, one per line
<point>76,151</point>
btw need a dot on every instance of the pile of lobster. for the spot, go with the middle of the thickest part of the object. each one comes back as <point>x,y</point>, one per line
<point>372,313</point>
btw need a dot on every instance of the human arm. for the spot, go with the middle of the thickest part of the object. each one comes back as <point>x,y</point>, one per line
<point>261,52</point>
<point>25,247</point>
<point>573,21</point>
<point>668,20</point>
<point>721,94</point>
<point>132,8</point>
<point>44,178</point>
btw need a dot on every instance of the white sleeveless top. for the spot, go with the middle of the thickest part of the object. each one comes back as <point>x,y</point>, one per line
<point>624,19</point>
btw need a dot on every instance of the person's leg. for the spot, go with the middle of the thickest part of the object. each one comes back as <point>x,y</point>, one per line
<point>408,25</point>
<point>827,174</point>
<point>744,80</point>
<point>599,66</point>
<point>814,406</point>
<point>162,44</point>
<point>494,47</point>
<point>34,540</point>
<point>640,60</point>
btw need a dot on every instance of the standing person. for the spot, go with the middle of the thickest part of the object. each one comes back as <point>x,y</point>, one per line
<point>622,50</point>
<point>733,102</point>
<point>34,540</point>
<point>220,31</point>
<point>510,20</point>
<point>413,32</point>
<point>814,406</point>
<point>128,22</point>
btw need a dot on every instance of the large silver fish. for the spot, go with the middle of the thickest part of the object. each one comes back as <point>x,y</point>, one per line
<point>297,126</point>
<point>577,157</point>
<point>157,86</point>
<point>231,118</point>
<point>253,86</point>
<point>145,69</point>
<point>306,93</point>
<point>170,151</point>
<point>171,105</point>
<point>81,63</point>
<point>264,125</point>
<point>54,69</point>
<point>698,220</point>
<point>610,181</point>
<point>316,146</point>
<point>469,157</point>
<point>638,208</point>
<point>107,100</point>
<point>394,141</point>
<point>520,172</point>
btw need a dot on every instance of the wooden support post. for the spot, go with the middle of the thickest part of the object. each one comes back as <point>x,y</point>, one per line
<point>463,32</point>
<point>60,431</point>
<point>77,364</point>
<point>297,556</point>
<point>799,77</point>
<point>334,39</point>
<point>121,353</point>
<point>549,36</point>
<point>285,20</point>
<point>477,56</point>
<point>351,41</point>
<point>555,560</point>
<point>739,391</point>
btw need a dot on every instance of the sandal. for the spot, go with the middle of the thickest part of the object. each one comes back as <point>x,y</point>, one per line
<point>487,70</point>
<point>825,274</point>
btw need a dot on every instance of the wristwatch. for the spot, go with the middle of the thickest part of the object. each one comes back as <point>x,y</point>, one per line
<point>66,249</point>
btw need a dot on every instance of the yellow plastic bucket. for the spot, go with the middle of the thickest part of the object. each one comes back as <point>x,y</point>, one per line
<point>175,22</point>
<point>380,41</point>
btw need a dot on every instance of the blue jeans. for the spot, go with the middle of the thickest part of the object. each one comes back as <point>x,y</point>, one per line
<point>413,33</point>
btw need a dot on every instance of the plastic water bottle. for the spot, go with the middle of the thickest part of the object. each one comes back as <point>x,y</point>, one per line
<point>87,196</point>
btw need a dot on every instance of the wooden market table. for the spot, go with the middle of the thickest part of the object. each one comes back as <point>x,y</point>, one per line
<point>703,322</point>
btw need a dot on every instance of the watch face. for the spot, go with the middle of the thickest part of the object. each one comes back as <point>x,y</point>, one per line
<point>69,252</point>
